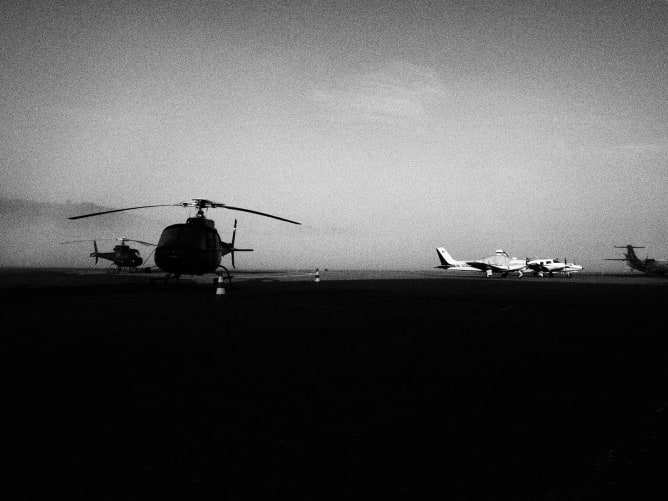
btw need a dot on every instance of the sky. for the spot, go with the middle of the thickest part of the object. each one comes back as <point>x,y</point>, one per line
<point>386,128</point>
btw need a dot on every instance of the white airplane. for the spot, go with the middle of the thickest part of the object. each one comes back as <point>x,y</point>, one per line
<point>552,266</point>
<point>500,262</point>
<point>647,266</point>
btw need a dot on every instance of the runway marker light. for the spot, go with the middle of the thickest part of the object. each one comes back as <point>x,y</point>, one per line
<point>317,275</point>
<point>220,288</point>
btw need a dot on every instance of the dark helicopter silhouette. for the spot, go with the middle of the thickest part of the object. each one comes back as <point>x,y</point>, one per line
<point>193,247</point>
<point>123,256</point>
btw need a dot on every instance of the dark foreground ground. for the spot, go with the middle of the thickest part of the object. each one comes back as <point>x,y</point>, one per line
<point>459,388</point>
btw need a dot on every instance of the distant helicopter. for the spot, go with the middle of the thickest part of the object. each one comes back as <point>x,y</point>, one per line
<point>123,256</point>
<point>193,247</point>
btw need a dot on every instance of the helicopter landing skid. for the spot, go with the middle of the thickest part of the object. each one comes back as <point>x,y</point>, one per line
<point>222,272</point>
<point>165,278</point>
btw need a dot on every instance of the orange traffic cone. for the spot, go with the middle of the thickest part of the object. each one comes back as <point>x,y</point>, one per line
<point>220,288</point>
<point>317,275</point>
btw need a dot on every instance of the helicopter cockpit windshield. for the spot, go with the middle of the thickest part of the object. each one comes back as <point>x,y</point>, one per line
<point>185,236</point>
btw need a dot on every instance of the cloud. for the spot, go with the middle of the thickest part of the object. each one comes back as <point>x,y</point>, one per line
<point>397,93</point>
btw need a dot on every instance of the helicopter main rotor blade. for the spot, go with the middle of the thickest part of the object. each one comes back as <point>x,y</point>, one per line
<point>76,241</point>
<point>139,242</point>
<point>127,208</point>
<point>89,240</point>
<point>256,212</point>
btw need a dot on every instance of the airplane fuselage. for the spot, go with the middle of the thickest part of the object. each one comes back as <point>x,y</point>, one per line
<point>540,266</point>
<point>650,266</point>
<point>498,263</point>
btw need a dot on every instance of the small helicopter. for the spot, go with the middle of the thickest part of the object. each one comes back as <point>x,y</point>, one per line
<point>193,247</point>
<point>122,257</point>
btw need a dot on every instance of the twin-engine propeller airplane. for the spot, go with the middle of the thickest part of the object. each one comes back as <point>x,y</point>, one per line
<point>647,265</point>
<point>122,257</point>
<point>551,266</point>
<point>193,247</point>
<point>500,262</point>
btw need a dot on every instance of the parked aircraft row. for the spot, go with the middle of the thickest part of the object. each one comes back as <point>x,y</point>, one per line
<point>190,248</point>
<point>195,248</point>
<point>503,264</point>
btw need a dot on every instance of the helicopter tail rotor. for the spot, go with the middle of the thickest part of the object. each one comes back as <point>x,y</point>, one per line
<point>232,248</point>
<point>95,253</point>
<point>234,234</point>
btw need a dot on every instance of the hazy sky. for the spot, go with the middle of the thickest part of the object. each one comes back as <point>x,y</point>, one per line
<point>386,128</point>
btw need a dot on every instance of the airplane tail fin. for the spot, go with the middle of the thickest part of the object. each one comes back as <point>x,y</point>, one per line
<point>445,258</point>
<point>630,252</point>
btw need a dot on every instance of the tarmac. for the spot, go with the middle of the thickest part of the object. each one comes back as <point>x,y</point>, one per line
<point>364,384</point>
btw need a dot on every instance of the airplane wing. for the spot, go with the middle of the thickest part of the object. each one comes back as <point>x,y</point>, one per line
<point>540,267</point>
<point>488,266</point>
<point>478,265</point>
<point>500,269</point>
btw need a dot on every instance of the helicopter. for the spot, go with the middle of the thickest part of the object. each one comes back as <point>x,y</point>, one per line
<point>193,247</point>
<point>122,257</point>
